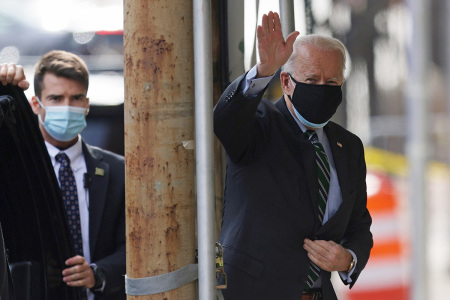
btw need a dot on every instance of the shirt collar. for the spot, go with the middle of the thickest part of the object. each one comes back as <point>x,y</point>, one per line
<point>74,152</point>
<point>302,126</point>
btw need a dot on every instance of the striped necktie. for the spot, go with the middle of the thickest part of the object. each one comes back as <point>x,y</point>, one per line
<point>323,172</point>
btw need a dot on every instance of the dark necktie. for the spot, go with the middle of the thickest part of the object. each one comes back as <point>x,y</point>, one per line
<point>323,172</point>
<point>70,197</point>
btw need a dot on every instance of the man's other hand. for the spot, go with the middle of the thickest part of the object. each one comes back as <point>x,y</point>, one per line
<point>328,255</point>
<point>79,273</point>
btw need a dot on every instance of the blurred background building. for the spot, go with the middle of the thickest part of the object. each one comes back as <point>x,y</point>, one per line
<point>91,29</point>
<point>376,33</point>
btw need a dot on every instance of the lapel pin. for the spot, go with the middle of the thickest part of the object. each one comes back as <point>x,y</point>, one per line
<point>99,172</point>
<point>339,144</point>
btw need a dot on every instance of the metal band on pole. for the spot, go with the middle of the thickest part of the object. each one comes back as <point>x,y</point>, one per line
<point>161,283</point>
<point>204,148</point>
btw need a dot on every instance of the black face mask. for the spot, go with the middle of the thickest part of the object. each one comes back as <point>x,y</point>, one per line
<point>315,104</point>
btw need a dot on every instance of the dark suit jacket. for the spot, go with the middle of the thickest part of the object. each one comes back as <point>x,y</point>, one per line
<point>271,194</point>
<point>107,218</point>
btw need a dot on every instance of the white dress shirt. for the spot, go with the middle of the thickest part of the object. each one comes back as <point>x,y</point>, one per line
<point>78,165</point>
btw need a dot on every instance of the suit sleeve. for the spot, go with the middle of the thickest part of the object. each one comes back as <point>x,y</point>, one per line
<point>113,265</point>
<point>240,122</point>
<point>358,237</point>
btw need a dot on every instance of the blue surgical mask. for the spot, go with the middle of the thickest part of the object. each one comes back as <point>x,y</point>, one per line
<point>309,124</point>
<point>63,123</point>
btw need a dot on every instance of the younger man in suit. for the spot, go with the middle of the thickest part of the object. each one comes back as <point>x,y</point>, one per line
<point>92,180</point>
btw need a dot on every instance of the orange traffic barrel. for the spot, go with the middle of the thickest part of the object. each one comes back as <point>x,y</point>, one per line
<point>386,275</point>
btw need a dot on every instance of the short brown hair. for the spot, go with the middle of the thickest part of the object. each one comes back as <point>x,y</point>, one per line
<point>63,64</point>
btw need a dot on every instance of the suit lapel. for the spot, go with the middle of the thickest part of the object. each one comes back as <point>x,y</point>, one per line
<point>339,152</point>
<point>99,177</point>
<point>303,150</point>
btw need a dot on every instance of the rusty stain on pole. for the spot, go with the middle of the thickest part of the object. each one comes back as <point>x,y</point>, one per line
<point>159,129</point>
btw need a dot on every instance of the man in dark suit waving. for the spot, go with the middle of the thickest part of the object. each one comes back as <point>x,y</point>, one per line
<point>295,197</point>
<point>92,180</point>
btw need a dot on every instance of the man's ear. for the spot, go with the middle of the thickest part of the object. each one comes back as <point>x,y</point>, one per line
<point>286,84</point>
<point>35,106</point>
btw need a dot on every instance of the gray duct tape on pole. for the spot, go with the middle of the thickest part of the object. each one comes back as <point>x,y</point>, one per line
<point>161,283</point>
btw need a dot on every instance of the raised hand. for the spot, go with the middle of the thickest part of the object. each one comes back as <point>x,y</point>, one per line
<point>273,50</point>
<point>13,74</point>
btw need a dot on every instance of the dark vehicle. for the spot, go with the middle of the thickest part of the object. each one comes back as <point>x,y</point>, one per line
<point>34,223</point>
<point>32,216</point>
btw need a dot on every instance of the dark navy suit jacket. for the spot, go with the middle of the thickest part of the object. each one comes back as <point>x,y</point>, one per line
<point>270,198</point>
<point>107,217</point>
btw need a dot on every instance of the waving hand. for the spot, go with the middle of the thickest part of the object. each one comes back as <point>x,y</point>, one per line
<point>274,51</point>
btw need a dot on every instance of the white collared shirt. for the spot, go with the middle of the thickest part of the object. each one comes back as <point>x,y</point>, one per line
<point>334,195</point>
<point>78,165</point>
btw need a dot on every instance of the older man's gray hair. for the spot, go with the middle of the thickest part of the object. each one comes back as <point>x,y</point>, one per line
<point>319,42</point>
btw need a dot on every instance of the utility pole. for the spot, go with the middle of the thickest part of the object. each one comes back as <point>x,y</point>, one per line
<point>159,140</point>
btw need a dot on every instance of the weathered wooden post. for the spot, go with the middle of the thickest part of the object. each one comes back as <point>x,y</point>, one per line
<point>159,139</point>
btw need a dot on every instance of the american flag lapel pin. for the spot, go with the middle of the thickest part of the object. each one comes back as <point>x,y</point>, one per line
<point>99,172</point>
